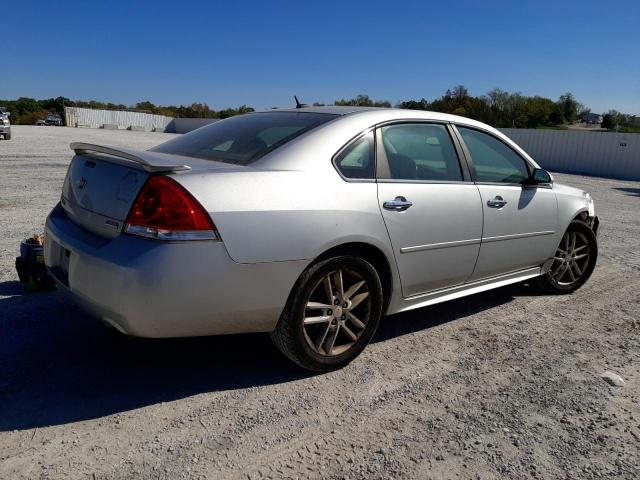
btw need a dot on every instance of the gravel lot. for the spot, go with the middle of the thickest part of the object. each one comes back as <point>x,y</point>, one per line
<point>504,384</point>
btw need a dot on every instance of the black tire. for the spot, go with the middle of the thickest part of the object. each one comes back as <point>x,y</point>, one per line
<point>289,335</point>
<point>548,284</point>
<point>7,136</point>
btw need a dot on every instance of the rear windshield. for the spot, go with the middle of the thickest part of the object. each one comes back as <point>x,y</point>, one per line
<point>243,139</point>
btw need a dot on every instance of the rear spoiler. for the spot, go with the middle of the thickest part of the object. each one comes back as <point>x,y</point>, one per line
<point>151,162</point>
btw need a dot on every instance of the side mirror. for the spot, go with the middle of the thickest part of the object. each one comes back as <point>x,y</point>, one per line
<point>540,176</point>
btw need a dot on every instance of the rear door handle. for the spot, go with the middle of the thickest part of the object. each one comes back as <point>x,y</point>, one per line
<point>398,204</point>
<point>497,202</point>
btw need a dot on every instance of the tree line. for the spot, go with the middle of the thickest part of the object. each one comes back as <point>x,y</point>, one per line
<point>501,109</point>
<point>497,107</point>
<point>27,111</point>
<point>621,122</point>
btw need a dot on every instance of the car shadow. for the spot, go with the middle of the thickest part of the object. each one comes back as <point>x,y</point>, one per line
<point>634,192</point>
<point>434,315</point>
<point>58,365</point>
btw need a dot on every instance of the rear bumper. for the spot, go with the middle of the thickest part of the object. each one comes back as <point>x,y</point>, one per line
<point>4,129</point>
<point>157,289</point>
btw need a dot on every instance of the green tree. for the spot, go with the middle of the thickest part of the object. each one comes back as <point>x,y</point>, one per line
<point>146,106</point>
<point>461,111</point>
<point>362,101</point>
<point>569,106</point>
<point>230,112</point>
<point>538,111</point>
<point>422,104</point>
<point>608,121</point>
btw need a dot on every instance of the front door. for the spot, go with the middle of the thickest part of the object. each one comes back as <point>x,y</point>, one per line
<point>520,221</point>
<point>432,213</point>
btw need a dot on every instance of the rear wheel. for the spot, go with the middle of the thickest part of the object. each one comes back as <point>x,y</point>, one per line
<point>573,262</point>
<point>331,314</point>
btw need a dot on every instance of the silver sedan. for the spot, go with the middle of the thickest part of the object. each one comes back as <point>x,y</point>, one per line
<point>311,224</point>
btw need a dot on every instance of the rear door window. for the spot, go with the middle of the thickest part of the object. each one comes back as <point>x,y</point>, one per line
<point>420,151</point>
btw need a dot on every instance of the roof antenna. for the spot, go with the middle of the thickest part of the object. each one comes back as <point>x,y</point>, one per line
<point>298,104</point>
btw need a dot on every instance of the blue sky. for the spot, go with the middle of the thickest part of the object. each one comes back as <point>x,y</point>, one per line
<point>260,53</point>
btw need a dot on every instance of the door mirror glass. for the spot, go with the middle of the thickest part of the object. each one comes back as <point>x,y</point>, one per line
<point>541,176</point>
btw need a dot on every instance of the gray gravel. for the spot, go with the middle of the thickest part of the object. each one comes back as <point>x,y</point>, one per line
<point>505,384</point>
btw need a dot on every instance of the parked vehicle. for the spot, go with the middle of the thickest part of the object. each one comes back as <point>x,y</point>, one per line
<point>311,224</point>
<point>5,124</point>
<point>50,120</point>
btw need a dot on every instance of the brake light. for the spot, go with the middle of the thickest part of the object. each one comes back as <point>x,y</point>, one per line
<point>164,210</point>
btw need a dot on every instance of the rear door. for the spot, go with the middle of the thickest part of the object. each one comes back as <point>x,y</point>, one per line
<point>430,206</point>
<point>519,220</point>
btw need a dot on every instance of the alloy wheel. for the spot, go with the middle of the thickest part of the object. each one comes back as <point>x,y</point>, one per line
<point>571,259</point>
<point>336,312</point>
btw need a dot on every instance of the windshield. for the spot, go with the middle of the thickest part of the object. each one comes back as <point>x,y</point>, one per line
<point>243,139</point>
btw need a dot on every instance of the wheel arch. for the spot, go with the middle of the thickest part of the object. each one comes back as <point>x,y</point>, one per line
<point>582,215</point>
<point>373,255</point>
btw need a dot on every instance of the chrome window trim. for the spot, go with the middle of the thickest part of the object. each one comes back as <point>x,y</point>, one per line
<point>467,167</point>
<point>521,185</point>
<point>435,182</point>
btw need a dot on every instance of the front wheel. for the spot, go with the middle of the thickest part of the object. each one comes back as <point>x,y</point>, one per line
<point>573,262</point>
<point>331,315</point>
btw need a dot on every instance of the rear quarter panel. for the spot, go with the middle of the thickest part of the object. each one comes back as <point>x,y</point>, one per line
<point>273,216</point>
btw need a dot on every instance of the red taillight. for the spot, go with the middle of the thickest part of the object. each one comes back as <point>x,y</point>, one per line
<point>166,211</point>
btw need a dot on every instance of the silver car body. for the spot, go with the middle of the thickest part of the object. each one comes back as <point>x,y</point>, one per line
<point>279,214</point>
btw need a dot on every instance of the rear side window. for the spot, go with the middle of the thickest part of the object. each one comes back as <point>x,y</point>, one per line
<point>495,162</point>
<point>357,161</point>
<point>420,151</point>
<point>244,139</point>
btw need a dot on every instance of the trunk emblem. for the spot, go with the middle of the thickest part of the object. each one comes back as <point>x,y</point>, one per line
<point>81,183</point>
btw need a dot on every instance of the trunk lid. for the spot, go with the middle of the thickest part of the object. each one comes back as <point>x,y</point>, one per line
<point>102,183</point>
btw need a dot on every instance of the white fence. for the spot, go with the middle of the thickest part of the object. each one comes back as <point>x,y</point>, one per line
<point>87,117</point>
<point>601,154</point>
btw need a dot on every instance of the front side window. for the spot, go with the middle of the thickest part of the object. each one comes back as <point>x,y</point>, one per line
<point>243,139</point>
<point>357,161</point>
<point>420,151</point>
<point>495,162</point>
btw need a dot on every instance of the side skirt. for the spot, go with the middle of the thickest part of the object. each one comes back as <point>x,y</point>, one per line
<point>431,298</point>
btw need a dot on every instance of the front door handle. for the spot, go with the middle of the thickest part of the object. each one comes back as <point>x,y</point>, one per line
<point>497,202</point>
<point>398,204</point>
